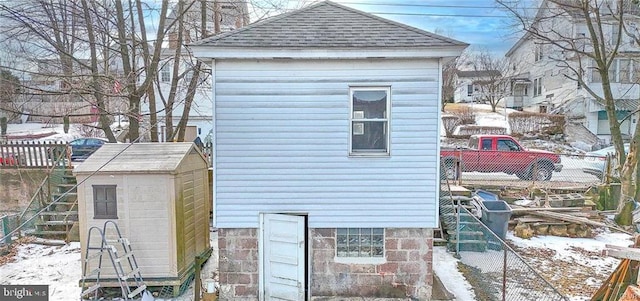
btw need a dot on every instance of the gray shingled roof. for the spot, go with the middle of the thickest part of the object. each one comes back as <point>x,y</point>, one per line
<point>328,25</point>
<point>478,73</point>
<point>137,158</point>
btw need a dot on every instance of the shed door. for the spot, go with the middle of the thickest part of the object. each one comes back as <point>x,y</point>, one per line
<point>284,257</point>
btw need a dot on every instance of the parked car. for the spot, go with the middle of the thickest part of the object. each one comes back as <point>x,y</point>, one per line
<point>596,161</point>
<point>499,153</point>
<point>82,148</point>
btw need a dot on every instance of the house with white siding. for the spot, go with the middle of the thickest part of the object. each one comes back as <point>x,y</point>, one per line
<point>326,151</point>
<point>545,81</point>
<point>469,84</point>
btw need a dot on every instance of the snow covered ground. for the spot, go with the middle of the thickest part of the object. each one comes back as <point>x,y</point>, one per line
<point>60,268</point>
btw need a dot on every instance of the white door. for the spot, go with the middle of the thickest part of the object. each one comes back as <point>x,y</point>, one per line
<point>283,252</point>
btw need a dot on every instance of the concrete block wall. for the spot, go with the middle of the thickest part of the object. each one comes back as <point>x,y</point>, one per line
<point>406,271</point>
<point>238,264</point>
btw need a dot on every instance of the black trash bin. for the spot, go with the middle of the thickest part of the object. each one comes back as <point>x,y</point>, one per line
<point>496,215</point>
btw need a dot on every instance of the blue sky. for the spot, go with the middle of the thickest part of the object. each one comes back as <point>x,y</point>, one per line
<point>477,22</point>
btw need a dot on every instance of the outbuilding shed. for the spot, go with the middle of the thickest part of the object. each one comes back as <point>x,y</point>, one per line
<point>158,195</point>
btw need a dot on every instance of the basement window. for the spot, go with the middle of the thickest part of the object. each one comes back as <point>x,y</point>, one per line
<point>360,242</point>
<point>105,204</point>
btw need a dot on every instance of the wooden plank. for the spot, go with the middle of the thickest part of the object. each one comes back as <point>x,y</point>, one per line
<point>622,252</point>
<point>574,219</point>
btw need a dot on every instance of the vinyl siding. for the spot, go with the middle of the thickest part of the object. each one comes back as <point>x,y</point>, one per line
<point>282,143</point>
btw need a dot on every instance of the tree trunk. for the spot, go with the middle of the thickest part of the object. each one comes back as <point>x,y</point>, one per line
<point>153,115</point>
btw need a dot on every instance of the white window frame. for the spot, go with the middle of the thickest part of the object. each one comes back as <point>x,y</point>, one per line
<point>539,52</point>
<point>537,87</point>
<point>387,119</point>
<point>165,71</point>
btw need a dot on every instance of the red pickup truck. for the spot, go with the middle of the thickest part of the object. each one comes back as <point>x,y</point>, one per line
<point>499,153</point>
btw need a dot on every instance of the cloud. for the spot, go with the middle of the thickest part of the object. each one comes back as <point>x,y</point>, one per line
<point>477,22</point>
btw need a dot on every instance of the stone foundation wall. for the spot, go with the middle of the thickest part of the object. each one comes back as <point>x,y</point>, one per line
<point>238,264</point>
<point>407,271</point>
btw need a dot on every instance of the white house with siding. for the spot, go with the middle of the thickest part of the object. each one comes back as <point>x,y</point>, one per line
<point>546,83</point>
<point>326,154</point>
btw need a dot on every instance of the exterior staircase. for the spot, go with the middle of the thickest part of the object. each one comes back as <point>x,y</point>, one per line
<point>60,208</point>
<point>471,236</point>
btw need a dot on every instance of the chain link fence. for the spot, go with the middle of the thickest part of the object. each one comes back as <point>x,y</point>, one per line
<point>493,268</point>
<point>525,170</point>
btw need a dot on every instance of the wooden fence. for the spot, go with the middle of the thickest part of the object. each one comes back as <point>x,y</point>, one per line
<point>33,154</point>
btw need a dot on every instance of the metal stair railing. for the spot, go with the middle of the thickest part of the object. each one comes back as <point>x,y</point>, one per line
<point>501,272</point>
<point>42,199</point>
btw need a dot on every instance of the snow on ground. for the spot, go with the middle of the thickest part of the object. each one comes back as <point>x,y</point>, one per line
<point>446,267</point>
<point>575,266</point>
<point>56,266</point>
<point>59,266</point>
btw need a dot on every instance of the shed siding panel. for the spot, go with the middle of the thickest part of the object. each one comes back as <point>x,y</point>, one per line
<point>142,209</point>
<point>283,139</point>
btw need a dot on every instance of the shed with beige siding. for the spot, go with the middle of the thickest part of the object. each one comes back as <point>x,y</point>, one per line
<point>161,205</point>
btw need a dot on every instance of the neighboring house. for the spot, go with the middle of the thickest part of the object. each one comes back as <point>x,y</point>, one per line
<point>468,84</point>
<point>47,91</point>
<point>542,84</point>
<point>326,151</point>
<point>232,15</point>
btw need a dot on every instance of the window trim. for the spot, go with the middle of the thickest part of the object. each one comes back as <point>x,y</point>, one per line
<point>537,87</point>
<point>107,215</point>
<point>165,71</point>
<point>385,153</point>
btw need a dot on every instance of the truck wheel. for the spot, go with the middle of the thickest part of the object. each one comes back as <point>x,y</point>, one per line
<point>449,171</point>
<point>542,173</point>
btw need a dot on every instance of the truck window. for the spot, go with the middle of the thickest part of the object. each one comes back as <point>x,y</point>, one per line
<point>486,144</point>
<point>507,145</point>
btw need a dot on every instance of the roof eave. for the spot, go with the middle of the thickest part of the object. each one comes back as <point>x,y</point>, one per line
<point>206,53</point>
<point>517,45</point>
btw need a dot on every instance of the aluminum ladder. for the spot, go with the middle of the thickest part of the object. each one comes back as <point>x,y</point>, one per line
<point>123,262</point>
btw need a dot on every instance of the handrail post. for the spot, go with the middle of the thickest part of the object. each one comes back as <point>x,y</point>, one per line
<point>458,229</point>
<point>504,275</point>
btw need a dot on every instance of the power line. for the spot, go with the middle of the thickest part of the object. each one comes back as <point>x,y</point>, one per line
<point>438,15</point>
<point>427,5</point>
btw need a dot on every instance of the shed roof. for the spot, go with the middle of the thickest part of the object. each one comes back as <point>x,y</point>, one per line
<point>137,158</point>
<point>328,25</point>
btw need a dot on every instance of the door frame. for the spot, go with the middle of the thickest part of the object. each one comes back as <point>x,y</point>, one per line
<point>307,253</point>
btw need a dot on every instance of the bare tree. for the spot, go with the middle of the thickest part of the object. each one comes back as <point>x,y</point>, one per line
<point>9,92</point>
<point>491,80</point>
<point>585,39</point>
<point>449,84</point>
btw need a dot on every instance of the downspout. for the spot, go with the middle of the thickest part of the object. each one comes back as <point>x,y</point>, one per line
<point>214,143</point>
<point>439,126</point>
